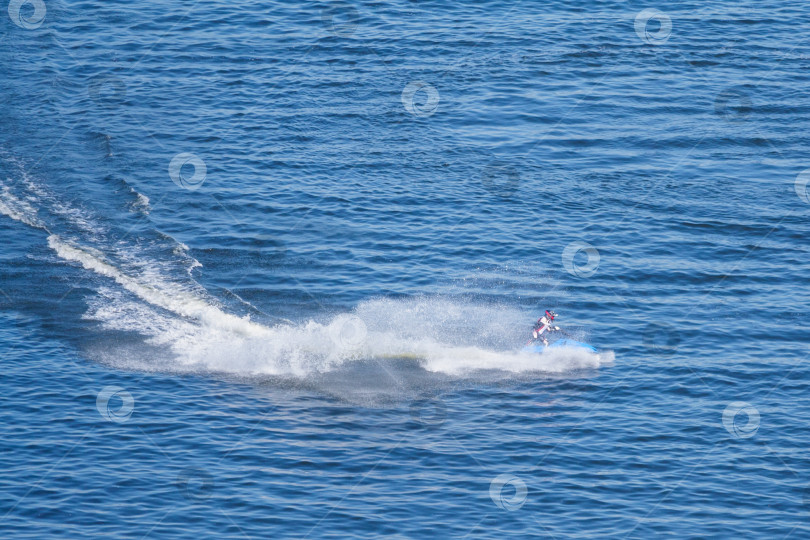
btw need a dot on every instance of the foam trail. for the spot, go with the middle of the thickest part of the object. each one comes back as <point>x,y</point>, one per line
<point>207,338</point>
<point>176,316</point>
<point>179,302</point>
<point>141,203</point>
<point>19,210</point>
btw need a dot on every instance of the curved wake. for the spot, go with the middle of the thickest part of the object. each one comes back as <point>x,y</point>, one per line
<point>179,317</point>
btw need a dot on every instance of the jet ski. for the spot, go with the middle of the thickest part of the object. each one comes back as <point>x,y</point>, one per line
<point>540,343</point>
<point>562,343</point>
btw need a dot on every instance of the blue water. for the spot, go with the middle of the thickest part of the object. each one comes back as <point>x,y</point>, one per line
<point>266,269</point>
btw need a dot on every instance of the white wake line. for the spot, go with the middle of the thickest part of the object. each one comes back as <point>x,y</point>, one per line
<point>436,356</point>
<point>222,351</point>
<point>219,340</point>
<point>181,303</point>
<point>19,210</point>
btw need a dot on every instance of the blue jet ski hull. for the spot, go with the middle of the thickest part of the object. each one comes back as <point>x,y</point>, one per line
<point>559,344</point>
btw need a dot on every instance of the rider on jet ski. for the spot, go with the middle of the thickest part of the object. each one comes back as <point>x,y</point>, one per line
<point>542,326</point>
